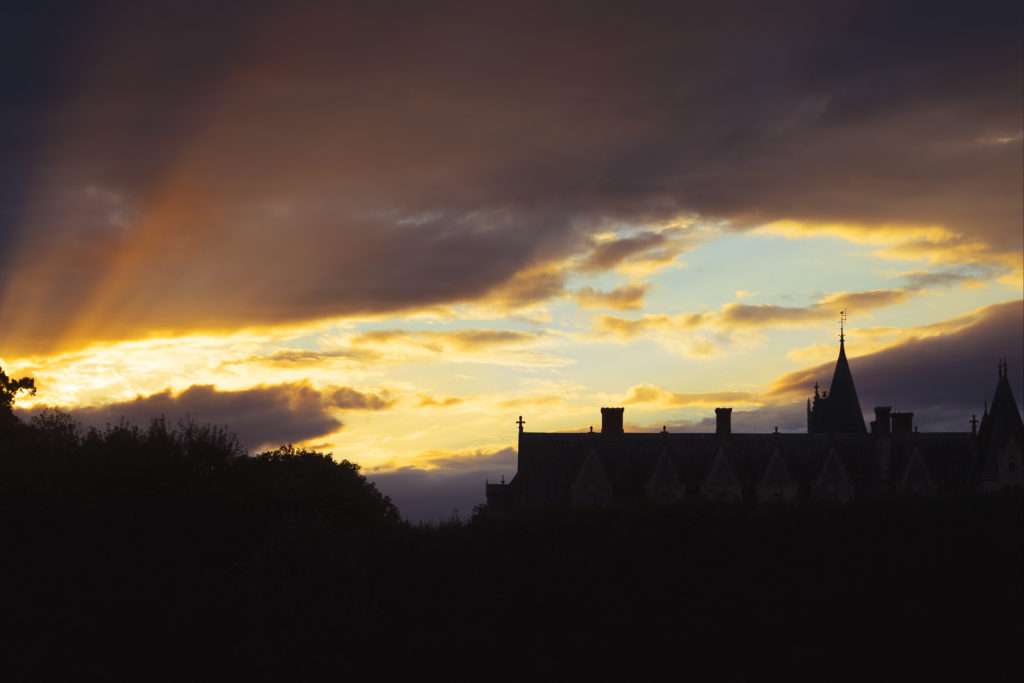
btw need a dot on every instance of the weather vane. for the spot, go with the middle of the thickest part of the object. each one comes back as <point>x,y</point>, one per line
<point>842,320</point>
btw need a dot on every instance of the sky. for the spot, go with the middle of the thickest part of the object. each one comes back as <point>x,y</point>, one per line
<point>387,230</point>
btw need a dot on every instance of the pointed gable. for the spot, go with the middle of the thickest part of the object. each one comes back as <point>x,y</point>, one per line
<point>1010,463</point>
<point>843,415</point>
<point>776,485</point>
<point>916,478</point>
<point>721,482</point>
<point>663,484</point>
<point>833,482</point>
<point>591,485</point>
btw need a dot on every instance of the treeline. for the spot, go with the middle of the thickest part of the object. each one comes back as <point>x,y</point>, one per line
<point>166,551</point>
<point>168,544</point>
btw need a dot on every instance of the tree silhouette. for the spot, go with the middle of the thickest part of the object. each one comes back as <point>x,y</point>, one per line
<point>9,390</point>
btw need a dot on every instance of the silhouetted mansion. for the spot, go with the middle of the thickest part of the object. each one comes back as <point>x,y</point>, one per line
<point>836,459</point>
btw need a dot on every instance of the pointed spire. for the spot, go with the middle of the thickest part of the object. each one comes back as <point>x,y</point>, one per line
<point>843,415</point>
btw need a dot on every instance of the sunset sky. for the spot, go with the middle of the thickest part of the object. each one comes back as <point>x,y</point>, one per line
<point>387,230</point>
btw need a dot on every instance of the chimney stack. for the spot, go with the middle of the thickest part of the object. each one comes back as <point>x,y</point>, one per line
<point>882,426</point>
<point>723,421</point>
<point>902,423</point>
<point>611,421</point>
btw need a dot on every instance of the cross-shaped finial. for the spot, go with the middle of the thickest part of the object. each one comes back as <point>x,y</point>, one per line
<point>974,424</point>
<point>520,422</point>
<point>842,320</point>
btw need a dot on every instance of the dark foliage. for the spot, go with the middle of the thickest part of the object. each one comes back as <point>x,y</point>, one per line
<point>169,544</point>
<point>10,388</point>
<point>167,552</point>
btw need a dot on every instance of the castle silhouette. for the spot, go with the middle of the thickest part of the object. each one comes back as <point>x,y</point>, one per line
<point>837,459</point>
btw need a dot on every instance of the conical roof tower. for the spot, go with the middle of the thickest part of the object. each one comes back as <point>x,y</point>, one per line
<point>843,415</point>
<point>838,411</point>
<point>1002,431</point>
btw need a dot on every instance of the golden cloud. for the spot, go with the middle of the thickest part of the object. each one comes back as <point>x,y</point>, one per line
<point>935,244</point>
<point>427,401</point>
<point>738,316</point>
<point>648,394</point>
<point>626,297</point>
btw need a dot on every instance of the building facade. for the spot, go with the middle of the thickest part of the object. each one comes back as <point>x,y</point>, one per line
<point>838,458</point>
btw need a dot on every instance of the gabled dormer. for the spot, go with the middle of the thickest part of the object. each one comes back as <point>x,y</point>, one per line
<point>916,478</point>
<point>776,486</point>
<point>663,484</point>
<point>721,483</point>
<point>833,482</point>
<point>591,485</point>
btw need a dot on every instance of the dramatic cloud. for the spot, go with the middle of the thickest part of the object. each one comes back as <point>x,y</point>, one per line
<point>175,168</point>
<point>425,219</point>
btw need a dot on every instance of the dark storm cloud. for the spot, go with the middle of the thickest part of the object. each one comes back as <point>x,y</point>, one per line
<point>193,166</point>
<point>943,380</point>
<point>262,417</point>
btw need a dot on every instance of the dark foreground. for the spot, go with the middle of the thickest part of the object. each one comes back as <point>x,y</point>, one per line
<point>170,564</point>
